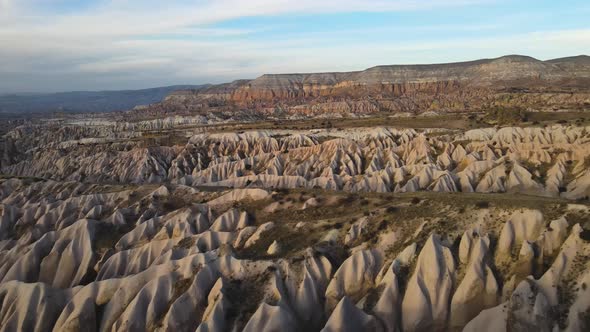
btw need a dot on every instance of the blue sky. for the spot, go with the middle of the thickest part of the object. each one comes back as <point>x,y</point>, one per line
<point>62,45</point>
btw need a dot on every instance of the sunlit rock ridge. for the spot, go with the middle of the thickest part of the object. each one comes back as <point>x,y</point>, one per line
<point>551,161</point>
<point>512,80</point>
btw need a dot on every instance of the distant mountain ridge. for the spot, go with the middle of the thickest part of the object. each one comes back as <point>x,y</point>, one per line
<point>479,72</point>
<point>415,88</point>
<point>86,101</point>
<point>508,81</point>
<point>499,73</point>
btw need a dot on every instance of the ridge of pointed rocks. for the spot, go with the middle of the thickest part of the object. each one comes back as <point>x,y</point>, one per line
<point>225,265</point>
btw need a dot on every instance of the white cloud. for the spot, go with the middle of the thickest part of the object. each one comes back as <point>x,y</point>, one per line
<point>132,43</point>
<point>126,64</point>
<point>134,17</point>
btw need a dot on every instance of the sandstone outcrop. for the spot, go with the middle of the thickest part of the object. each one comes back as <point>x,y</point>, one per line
<point>508,81</point>
<point>537,161</point>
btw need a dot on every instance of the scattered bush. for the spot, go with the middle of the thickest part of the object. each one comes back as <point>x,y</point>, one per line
<point>392,209</point>
<point>505,116</point>
<point>482,204</point>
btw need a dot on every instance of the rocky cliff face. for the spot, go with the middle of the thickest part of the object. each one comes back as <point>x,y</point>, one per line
<point>451,87</point>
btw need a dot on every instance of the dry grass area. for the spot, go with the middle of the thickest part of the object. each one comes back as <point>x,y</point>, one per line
<point>578,118</point>
<point>451,121</point>
<point>443,213</point>
<point>245,294</point>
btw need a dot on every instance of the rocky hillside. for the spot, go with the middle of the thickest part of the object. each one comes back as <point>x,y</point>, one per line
<point>515,81</point>
<point>80,257</point>
<point>551,161</point>
<point>181,224</point>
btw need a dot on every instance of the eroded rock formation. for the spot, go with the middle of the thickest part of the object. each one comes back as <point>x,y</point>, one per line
<point>207,266</point>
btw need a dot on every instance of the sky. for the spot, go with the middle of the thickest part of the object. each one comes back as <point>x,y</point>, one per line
<point>73,45</point>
